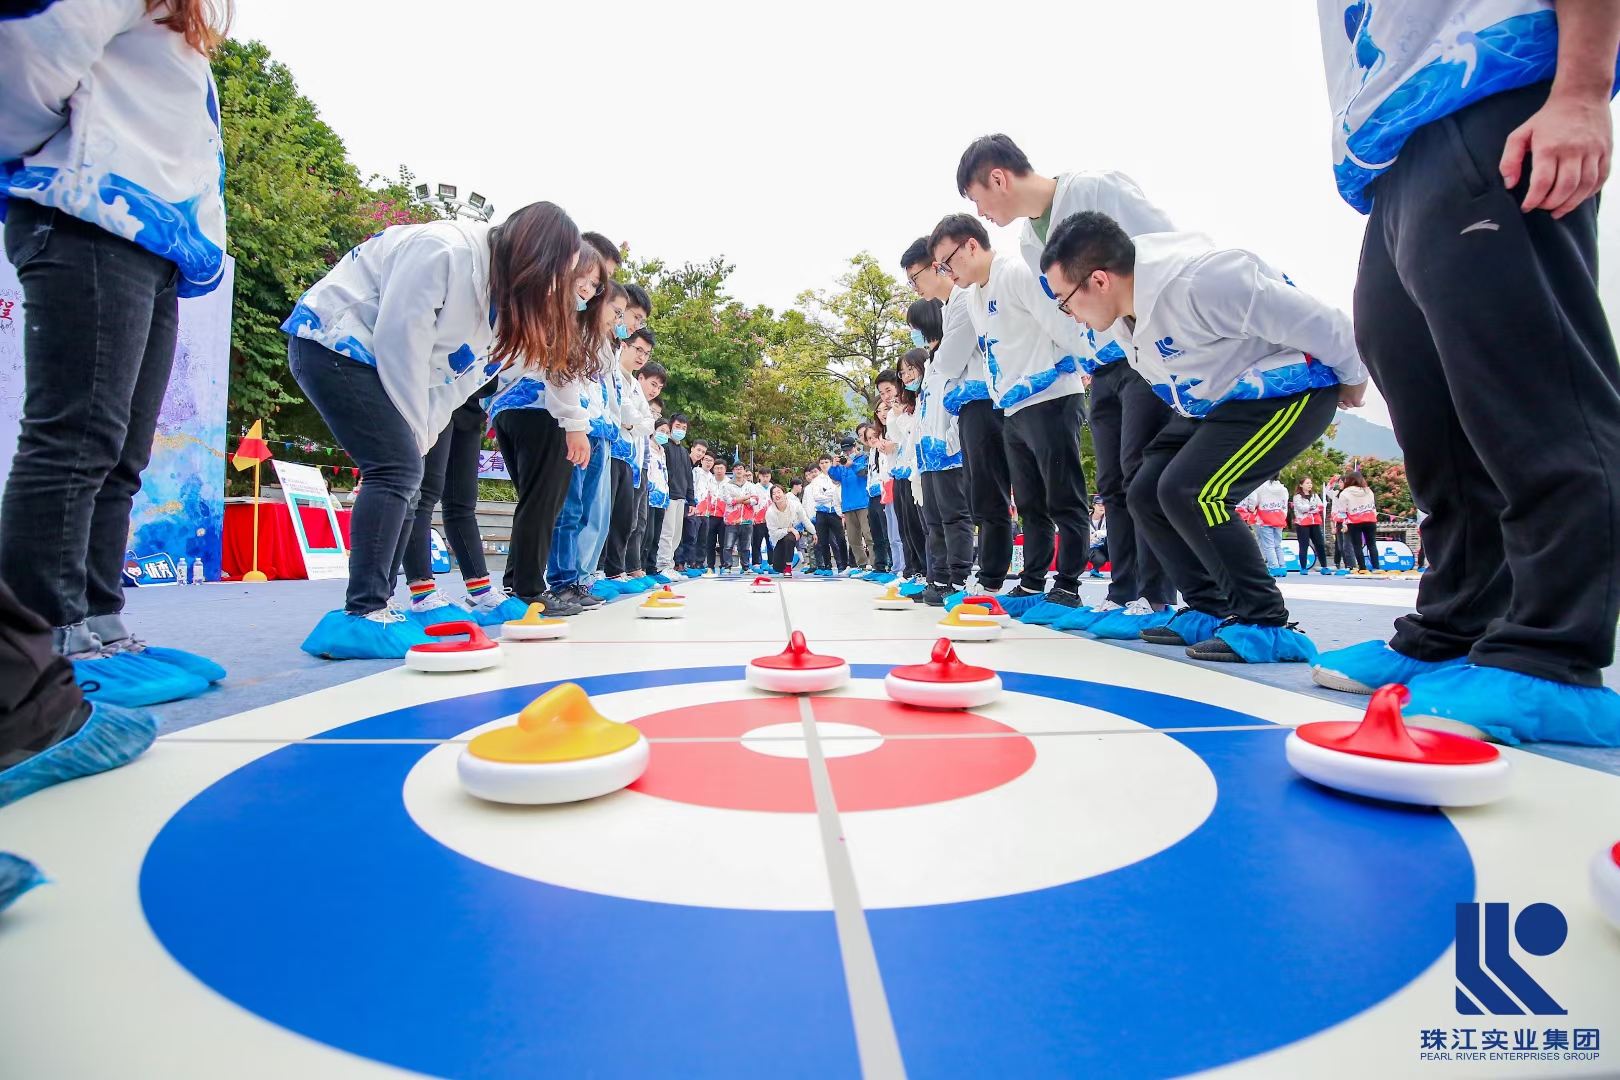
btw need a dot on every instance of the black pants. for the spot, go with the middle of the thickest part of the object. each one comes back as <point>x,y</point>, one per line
<point>949,522</point>
<point>739,538</point>
<point>1341,548</point>
<point>536,453</point>
<point>984,456</point>
<point>39,703</point>
<point>1195,471</point>
<point>98,343</point>
<point>877,521</point>
<point>638,530</point>
<point>782,552</point>
<point>714,535</point>
<point>691,535</point>
<point>830,541</point>
<point>1125,415</point>
<point>450,476</point>
<point>1483,329</point>
<point>350,397</point>
<point>1049,485</point>
<point>1363,539</point>
<point>1308,537</point>
<point>759,546</point>
<point>649,541</point>
<point>913,534</point>
<point>623,521</point>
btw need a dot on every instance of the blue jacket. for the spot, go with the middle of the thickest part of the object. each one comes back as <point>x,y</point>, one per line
<point>851,481</point>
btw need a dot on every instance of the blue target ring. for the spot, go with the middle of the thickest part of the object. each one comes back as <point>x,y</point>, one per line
<point>299,888</point>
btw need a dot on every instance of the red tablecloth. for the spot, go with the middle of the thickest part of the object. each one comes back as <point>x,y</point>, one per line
<point>279,557</point>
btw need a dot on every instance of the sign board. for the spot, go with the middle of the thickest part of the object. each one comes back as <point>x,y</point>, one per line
<point>1394,555</point>
<point>491,466</point>
<point>438,552</point>
<point>306,494</point>
<point>1290,550</point>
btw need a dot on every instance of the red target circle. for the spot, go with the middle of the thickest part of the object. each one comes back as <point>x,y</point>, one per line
<point>899,773</point>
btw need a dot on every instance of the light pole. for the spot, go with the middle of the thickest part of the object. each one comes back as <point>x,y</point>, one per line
<point>474,207</point>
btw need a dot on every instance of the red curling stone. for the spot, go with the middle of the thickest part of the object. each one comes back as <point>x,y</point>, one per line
<point>944,682</point>
<point>997,612</point>
<point>1380,757</point>
<point>762,584</point>
<point>797,670</point>
<point>475,654</point>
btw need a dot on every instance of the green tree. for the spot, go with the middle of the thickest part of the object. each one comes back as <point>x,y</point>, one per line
<point>1318,461</point>
<point>861,328</point>
<point>793,411</point>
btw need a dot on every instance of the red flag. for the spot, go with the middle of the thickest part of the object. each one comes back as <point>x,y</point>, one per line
<point>251,450</point>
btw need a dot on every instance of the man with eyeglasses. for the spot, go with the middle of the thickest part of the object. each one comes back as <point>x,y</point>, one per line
<point>1036,360</point>
<point>1254,368</point>
<point>1123,412</point>
<point>984,454</point>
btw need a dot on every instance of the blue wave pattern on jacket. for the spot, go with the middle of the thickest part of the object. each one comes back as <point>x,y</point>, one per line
<point>1034,383</point>
<point>526,393</point>
<point>931,455</point>
<point>1278,382</point>
<point>964,392</point>
<point>302,318</point>
<point>1515,52</point>
<point>163,228</point>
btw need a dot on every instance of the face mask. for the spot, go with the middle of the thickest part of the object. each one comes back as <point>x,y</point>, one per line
<point>660,438</point>
<point>678,434</point>
<point>912,386</point>
<point>917,339</point>
<point>579,305</point>
<point>622,331</point>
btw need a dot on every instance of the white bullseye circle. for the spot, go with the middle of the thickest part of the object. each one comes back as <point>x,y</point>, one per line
<point>1090,803</point>
<point>787,740</point>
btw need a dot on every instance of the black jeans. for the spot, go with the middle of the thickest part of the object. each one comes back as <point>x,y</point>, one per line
<point>782,552</point>
<point>714,535</point>
<point>830,541</point>
<point>913,533</point>
<point>450,477</point>
<point>877,521</point>
<point>1363,539</point>
<point>1484,331</point>
<point>623,521</point>
<point>535,448</point>
<point>98,343</point>
<point>350,397</point>
<point>649,541</point>
<point>1308,537</point>
<point>739,538</point>
<point>691,533</point>
<point>984,456</point>
<point>949,522</point>
<point>1195,472</point>
<point>1049,485</point>
<point>1125,415</point>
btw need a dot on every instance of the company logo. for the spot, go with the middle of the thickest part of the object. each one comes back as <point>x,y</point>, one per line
<point>992,307</point>
<point>1167,348</point>
<point>1499,986</point>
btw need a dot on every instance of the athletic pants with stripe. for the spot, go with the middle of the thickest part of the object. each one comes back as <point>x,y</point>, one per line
<point>1195,471</point>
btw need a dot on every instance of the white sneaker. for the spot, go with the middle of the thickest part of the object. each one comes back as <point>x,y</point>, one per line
<point>1139,606</point>
<point>1109,605</point>
<point>437,600</point>
<point>489,601</point>
<point>387,615</point>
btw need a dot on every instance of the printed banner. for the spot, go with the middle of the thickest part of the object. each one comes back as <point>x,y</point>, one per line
<point>305,491</point>
<point>179,513</point>
<point>491,466</point>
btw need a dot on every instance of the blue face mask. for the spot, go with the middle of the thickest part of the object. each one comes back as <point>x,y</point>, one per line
<point>912,386</point>
<point>917,339</point>
<point>660,438</point>
<point>678,434</point>
<point>579,305</point>
<point>622,331</point>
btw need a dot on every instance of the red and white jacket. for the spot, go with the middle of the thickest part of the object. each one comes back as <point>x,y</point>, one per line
<point>1271,504</point>
<point>762,497</point>
<point>1356,505</point>
<point>1246,510</point>
<point>1308,509</point>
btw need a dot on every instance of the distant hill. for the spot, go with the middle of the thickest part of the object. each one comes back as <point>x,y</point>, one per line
<point>1363,438</point>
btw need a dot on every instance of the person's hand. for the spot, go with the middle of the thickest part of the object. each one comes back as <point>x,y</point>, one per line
<point>1352,397</point>
<point>579,448</point>
<point>1570,140</point>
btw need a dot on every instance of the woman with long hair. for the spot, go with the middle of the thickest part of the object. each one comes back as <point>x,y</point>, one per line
<point>110,189</point>
<point>1360,511</point>
<point>899,446</point>
<point>945,507</point>
<point>390,343</point>
<point>1308,508</point>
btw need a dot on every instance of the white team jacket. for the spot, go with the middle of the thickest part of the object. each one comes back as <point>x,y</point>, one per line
<point>900,427</point>
<point>1031,349</point>
<point>938,440</point>
<point>109,117</point>
<point>412,302</point>
<point>1220,324</point>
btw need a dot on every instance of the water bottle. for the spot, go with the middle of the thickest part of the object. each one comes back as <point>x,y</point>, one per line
<point>197,577</point>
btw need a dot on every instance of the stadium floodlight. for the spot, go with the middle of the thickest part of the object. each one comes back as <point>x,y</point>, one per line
<point>447,191</point>
<point>476,201</point>
<point>422,191</point>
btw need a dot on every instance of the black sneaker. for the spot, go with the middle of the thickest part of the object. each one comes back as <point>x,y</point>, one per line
<point>581,597</point>
<point>1163,635</point>
<point>558,605</point>
<point>1019,592</point>
<point>1214,649</point>
<point>931,596</point>
<point>1065,597</point>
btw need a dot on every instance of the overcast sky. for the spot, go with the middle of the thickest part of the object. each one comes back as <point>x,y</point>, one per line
<point>789,137</point>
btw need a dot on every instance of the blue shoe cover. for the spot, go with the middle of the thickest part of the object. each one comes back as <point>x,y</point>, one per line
<point>435,616</point>
<point>645,583</point>
<point>200,666</point>
<point>1277,571</point>
<point>1017,605</point>
<point>135,680</point>
<point>507,610</point>
<point>692,573</point>
<point>341,636</point>
<point>17,876</point>
<point>912,588</point>
<point>1267,644</point>
<point>884,578</point>
<point>1194,626</point>
<point>663,579</point>
<point>1123,626</point>
<point>1364,667</point>
<point>955,598</point>
<point>1045,613</point>
<point>109,738</point>
<point>1517,708</point>
<point>1080,618</point>
<point>829,573</point>
<point>605,590</point>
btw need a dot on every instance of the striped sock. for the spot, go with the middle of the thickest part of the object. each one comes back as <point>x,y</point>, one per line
<point>477,587</point>
<point>420,591</point>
